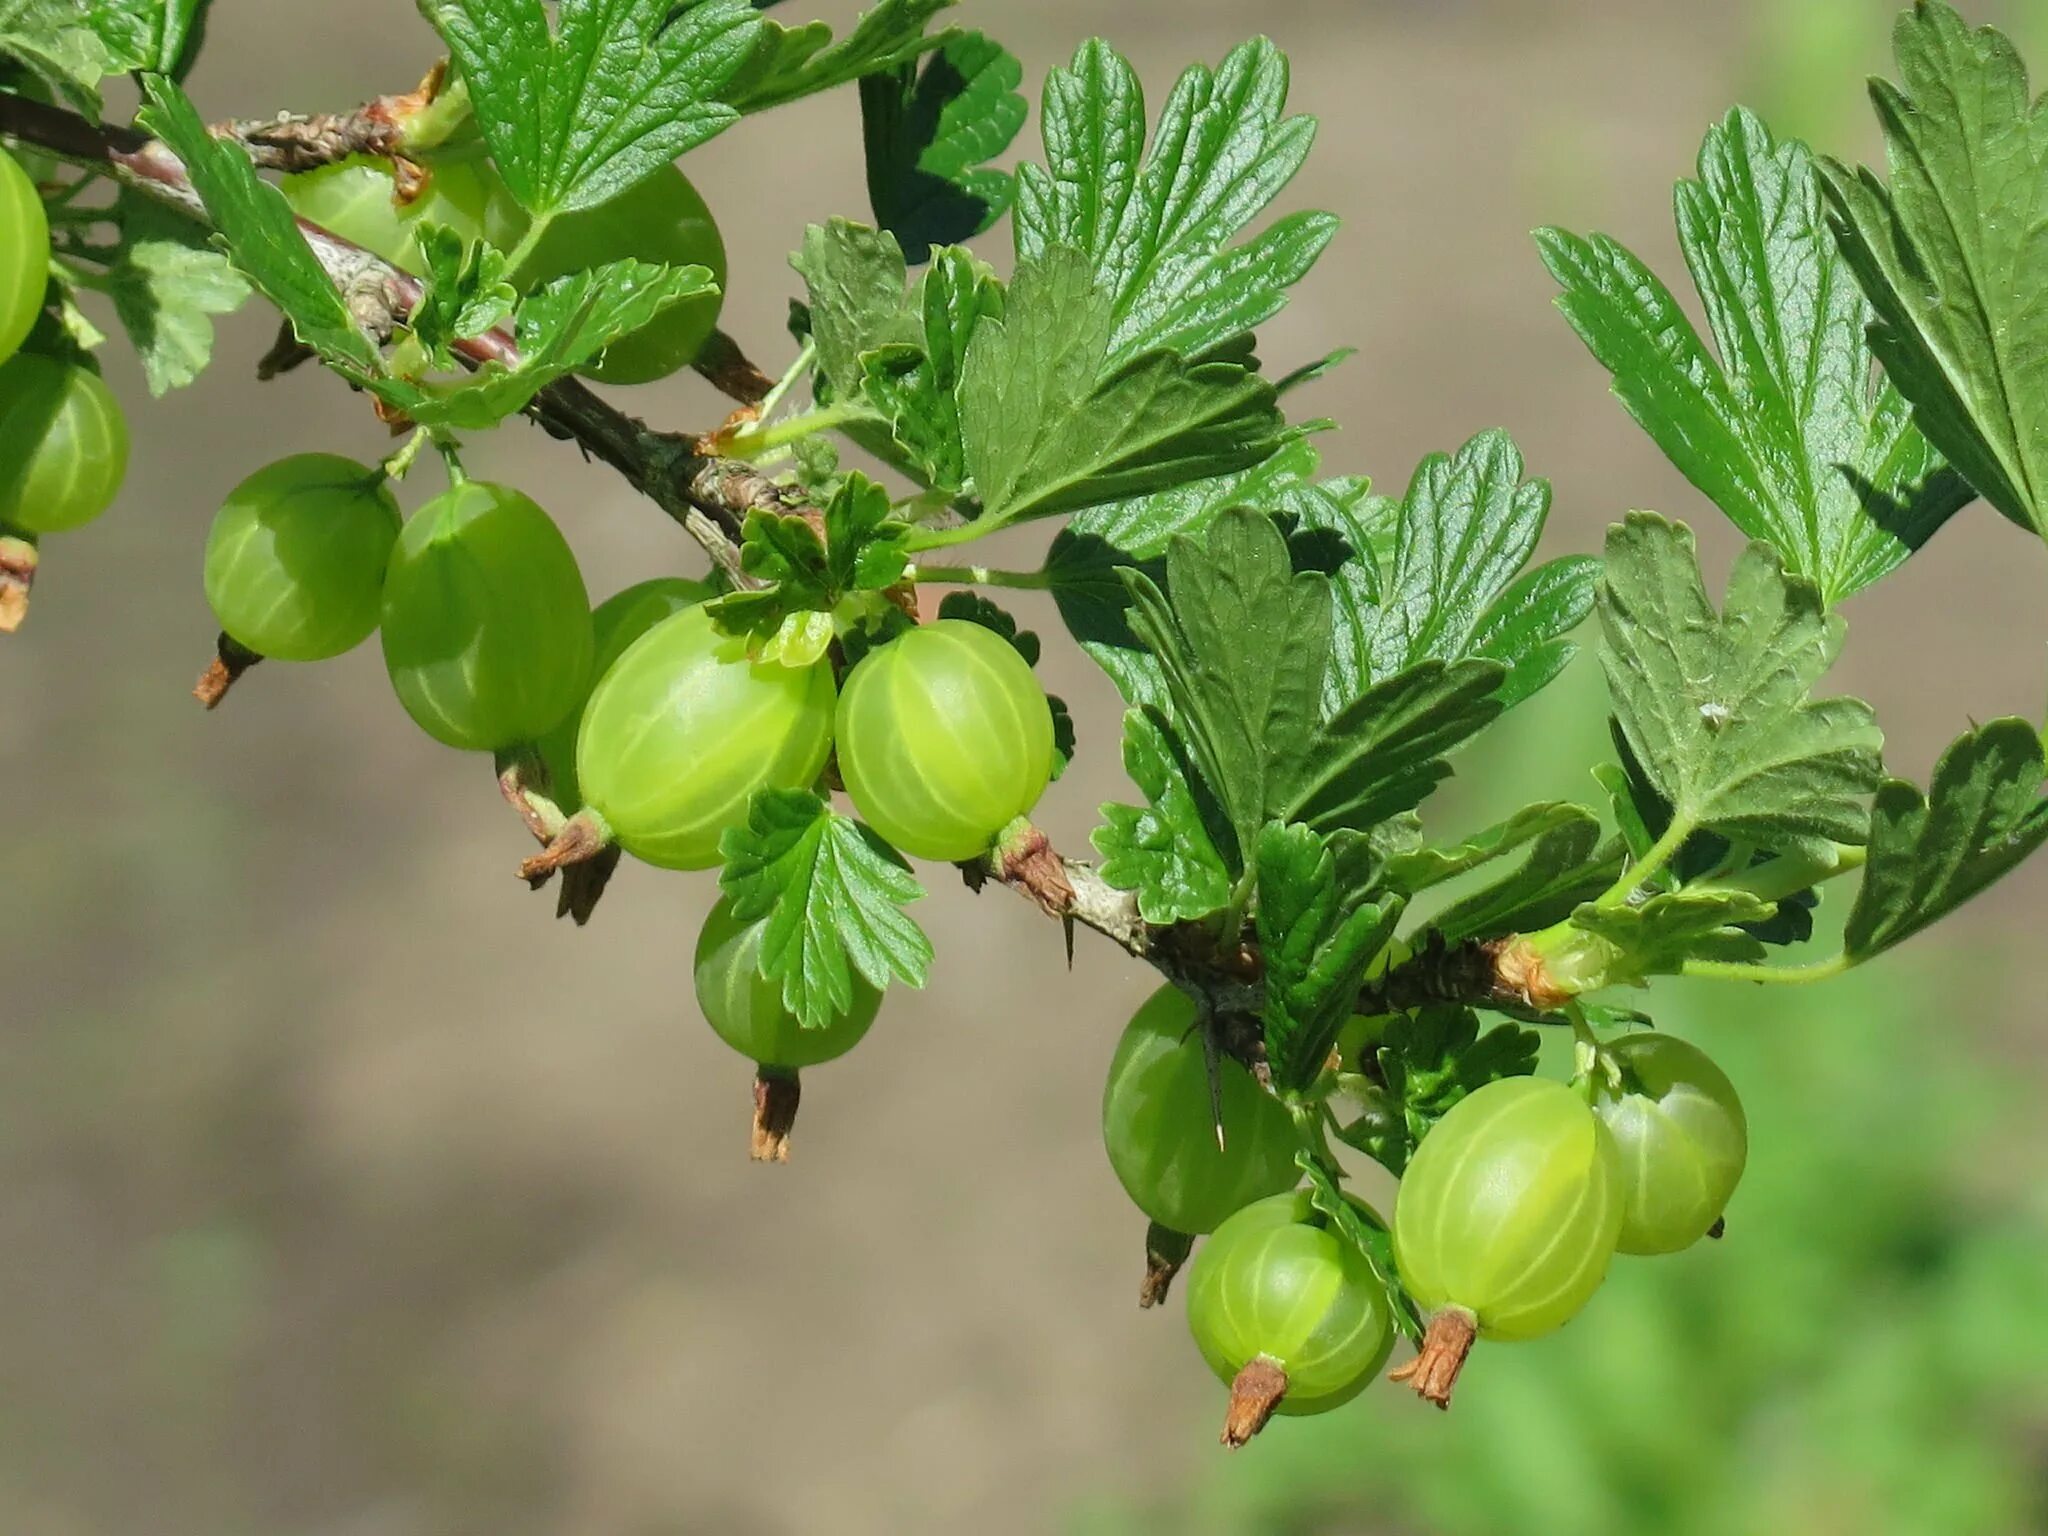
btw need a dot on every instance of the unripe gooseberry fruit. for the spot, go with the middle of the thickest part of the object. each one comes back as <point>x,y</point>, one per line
<point>357,200</point>
<point>1287,1312</point>
<point>945,738</point>
<point>296,556</point>
<point>661,219</point>
<point>24,255</point>
<point>1506,1220</point>
<point>63,445</point>
<point>748,1014</point>
<point>1158,1125</point>
<point>683,729</point>
<point>1681,1135</point>
<point>746,1009</point>
<point>615,624</point>
<point>486,624</point>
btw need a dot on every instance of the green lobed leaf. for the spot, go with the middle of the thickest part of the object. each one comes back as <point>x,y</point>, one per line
<point>578,111</point>
<point>1157,228</point>
<point>790,63</point>
<point>166,283</point>
<point>1383,753</point>
<point>1315,952</point>
<point>833,896</point>
<point>1981,817</point>
<point>1241,646</point>
<point>855,278</point>
<point>466,294</point>
<point>1953,253</point>
<point>256,228</point>
<point>1447,584</point>
<point>1659,936</point>
<point>1420,868</point>
<point>1051,422</point>
<point>1716,706</point>
<point>51,38</point>
<point>149,34</point>
<point>1785,432</point>
<point>1162,850</point>
<point>916,386</point>
<point>930,132</point>
<point>1566,866</point>
<point>561,328</point>
<point>809,571</point>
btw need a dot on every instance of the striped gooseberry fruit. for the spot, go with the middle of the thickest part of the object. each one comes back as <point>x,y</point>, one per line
<point>357,200</point>
<point>945,738</point>
<point>24,255</point>
<point>746,1010</point>
<point>615,624</point>
<point>63,445</point>
<point>1286,1311</point>
<point>296,556</point>
<point>682,730</point>
<point>486,624</point>
<point>1505,1222</point>
<point>1681,1134</point>
<point>1158,1125</point>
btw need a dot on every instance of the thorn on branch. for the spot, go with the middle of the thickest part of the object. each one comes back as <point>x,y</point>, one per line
<point>285,354</point>
<point>18,561</point>
<point>776,1095</point>
<point>231,659</point>
<point>721,361</point>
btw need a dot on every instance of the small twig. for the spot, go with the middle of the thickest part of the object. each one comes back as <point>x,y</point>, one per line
<point>731,372</point>
<point>285,354</point>
<point>293,141</point>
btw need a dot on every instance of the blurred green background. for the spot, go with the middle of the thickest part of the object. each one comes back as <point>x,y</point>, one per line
<point>346,1194</point>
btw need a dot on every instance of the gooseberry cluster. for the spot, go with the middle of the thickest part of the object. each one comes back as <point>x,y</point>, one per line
<point>1507,1216</point>
<point>1299,659</point>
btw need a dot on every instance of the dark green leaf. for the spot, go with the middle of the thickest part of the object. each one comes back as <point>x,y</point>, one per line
<point>916,386</point>
<point>931,132</point>
<point>467,293</point>
<point>1982,815</point>
<point>1786,432</point>
<point>1567,866</point>
<point>578,112</point>
<point>256,228</point>
<point>1157,229</point>
<point>793,62</point>
<point>1429,1062</point>
<point>1383,753</point>
<point>1448,589</point>
<point>148,34</point>
<point>1315,951</point>
<point>1716,706</point>
<point>1421,868</point>
<point>1659,936</point>
<point>1241,645</point>
<point>832,895</point>
<point>1953,255</point>
<point>1051,423</point>
<point>1164,850</point>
